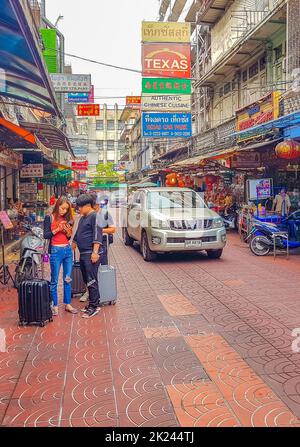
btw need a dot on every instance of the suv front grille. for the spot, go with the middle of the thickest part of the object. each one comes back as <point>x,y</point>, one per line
<point>187,225</point>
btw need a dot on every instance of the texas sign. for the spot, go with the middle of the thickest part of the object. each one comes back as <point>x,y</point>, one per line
<point>167,59</point>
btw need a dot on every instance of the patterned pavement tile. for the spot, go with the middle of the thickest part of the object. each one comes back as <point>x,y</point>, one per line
<point>161,332</point>
<point>177,305</point>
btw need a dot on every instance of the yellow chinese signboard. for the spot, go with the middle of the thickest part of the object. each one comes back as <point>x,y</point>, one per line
<point>166,32</point>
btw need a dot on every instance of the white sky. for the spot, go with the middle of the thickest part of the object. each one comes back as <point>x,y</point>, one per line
<point>107,31</point>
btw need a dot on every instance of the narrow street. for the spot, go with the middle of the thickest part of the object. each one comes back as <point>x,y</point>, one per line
<point>191,342</point>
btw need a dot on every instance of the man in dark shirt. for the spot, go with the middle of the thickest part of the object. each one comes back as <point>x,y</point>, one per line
<point>88,239</point>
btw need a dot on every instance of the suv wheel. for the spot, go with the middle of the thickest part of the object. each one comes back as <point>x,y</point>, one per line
<point>128,241</point>
<point>148,255</point>
<point>214,254</point>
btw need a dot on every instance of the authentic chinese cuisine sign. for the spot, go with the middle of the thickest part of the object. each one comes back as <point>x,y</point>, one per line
<point>167,125</point>
<point>167,86</point>
<point>88,110</point>
<point>170,60</point>
<point>262,111</point>
<point>166,103</point>
<point>166,32</point>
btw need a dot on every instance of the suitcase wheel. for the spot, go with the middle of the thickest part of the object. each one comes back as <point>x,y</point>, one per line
<point>42,324</point>
<point>113,303</point>
<point>50,320</point>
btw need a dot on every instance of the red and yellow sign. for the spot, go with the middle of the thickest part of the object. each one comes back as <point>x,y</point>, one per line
<point>134,102</point>
<point>170,60</point>
<point>88,110</point>
<point>80,165</point>
<point>262,111</point>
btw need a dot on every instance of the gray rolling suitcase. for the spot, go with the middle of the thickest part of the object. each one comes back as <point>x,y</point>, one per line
<point>107,280</point>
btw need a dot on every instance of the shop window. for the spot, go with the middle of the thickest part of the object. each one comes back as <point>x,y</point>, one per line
<point>278,52</point>
<point>245,76</point>
<point>99,125</point>
<point>253,70</point>
<point>221,92</point>
<point>263,62</point>
<point>227,88</point>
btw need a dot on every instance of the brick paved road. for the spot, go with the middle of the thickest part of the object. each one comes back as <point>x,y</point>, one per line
<point>192,342</point>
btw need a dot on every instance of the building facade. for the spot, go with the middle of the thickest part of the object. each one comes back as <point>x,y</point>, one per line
<point>103,136</point>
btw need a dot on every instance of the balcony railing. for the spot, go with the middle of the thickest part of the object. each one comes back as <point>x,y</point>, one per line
<point>214,139</point>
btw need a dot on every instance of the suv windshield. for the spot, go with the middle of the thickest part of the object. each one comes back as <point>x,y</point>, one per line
<point>174,199</point>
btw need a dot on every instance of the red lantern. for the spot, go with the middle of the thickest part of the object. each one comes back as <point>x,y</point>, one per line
<point>288,149</point>
<point>171,179</point>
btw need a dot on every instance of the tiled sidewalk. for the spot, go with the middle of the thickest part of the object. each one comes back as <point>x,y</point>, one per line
<point>191,342</point>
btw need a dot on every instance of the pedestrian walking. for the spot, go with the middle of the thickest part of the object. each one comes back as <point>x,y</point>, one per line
<point>58,230</point>
<point>89,239</point>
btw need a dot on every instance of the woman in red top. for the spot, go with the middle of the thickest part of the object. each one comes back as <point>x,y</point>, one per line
<point>58,230</point>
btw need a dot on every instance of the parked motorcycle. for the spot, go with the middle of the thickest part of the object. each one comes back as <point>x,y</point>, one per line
<point>31,255</point>
<point>231,218</point>
<point>262,235</point>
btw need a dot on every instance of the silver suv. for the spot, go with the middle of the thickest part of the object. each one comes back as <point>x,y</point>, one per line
<point>172,220</point>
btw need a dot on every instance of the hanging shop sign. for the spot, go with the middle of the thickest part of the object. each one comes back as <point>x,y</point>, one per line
<point>80,151</point>
<point>10,159</point>
<point>88,110</point>
<point>166,32</point>
<point>246,161</point>
<point>133,102</point>
<point>166,125</point>
<point>167,86</point>
<point>32,171</point>
<point>170,60</point>
<point>166,103</point>
<point>124,166</point>
<point>80,165</point>
<point>28,188</point>
<point>71,83</point>
<point>260,112</point>
<point>80,98</point>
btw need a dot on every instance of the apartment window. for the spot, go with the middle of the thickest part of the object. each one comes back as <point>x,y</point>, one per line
<point>253,70</point>
<point>99,144</point>
<point>121,125</point>
<point>245,76</point>
<point>263,62</point>
<point>221,92</point>
<point>99,125</point>
<point>278,51</point>
<point>110,145</point>
<point>110,125</point>
<point>227,88</point>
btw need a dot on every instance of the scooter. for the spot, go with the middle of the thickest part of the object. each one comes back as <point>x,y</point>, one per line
<point>231,218</point>
<point>31,255</point>
<point>262,237</point>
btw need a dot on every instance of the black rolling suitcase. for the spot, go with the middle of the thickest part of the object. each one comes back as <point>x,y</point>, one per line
<point>78,285</point>
<point>34,302</point>
<point>107,281</point>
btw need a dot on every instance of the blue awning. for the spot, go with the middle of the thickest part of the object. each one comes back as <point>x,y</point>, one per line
<point>23,74</point>
<point>280,123</point>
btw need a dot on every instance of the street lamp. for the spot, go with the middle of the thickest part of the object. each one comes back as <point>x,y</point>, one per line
<point>60,17</point>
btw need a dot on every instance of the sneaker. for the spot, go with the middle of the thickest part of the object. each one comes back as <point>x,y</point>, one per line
<point>86,308</point>
<point>84,297</point>
<point>91,312</point>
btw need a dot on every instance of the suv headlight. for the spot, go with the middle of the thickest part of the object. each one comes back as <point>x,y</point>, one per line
<point>218,223</point>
